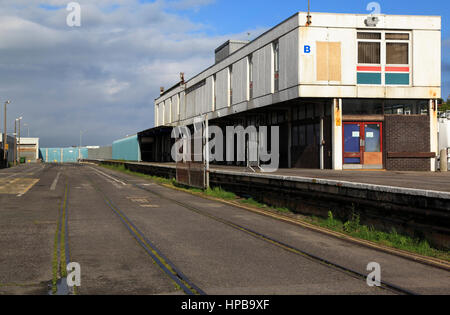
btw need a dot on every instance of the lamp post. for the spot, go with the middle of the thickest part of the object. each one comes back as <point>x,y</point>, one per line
<point>79,148</point>
<point>4,131</point>
<point>15,141</point>
<point>18,151</point>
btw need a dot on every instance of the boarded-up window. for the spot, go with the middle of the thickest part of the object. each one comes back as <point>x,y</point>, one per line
<point>369,52</point>
<point>397,54</point>
<point>328,61</point>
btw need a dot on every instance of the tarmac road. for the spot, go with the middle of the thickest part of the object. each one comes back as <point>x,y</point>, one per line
<point>215,256</point>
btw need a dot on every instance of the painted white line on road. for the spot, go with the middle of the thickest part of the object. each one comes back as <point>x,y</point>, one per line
<point>55,182</point>
<point>106,175</point>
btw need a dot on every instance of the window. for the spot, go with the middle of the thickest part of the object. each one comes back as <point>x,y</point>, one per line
<point>362,107</point>
<point>397,54</point>
<point>397,36</point>
<point>214,92</point>
<point>383,58</point>
<point>397,71</point>
<point>178,106</point>
<point>369,53</point>
<point>369,35</point>
<point>230,82</point>
<point>406,107</point>
<point>250,75</point>
<point>276,64</point>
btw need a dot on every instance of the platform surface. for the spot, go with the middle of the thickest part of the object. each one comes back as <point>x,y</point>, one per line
<point>434,181</point>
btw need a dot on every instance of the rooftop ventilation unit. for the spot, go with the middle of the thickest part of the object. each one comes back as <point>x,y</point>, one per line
<point>229,47</point>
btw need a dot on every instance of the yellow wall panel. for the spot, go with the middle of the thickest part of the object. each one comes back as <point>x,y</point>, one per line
<point>329,66</point>
<point>334,61</point>
<point>322,61</point>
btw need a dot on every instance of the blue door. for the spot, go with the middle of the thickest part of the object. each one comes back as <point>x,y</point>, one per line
<point>352,143</point>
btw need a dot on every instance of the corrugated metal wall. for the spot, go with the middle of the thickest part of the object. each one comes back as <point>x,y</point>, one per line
<point>174,110</point>
<point>126,149</point>
<point>263,71</point>
<point>222,89</point>
<point>182,106</point>
<point>161,114</point>
<point>240,81</point>
<point>102,153</point>
<point>289,56</point>
<point>63,155</point>
<point>167,108</point>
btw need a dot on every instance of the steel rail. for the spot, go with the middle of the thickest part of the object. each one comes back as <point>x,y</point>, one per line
<point>268,239</point>
<point>164,263</point>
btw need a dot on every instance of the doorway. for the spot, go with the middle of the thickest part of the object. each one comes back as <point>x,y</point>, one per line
<point>363,145</point>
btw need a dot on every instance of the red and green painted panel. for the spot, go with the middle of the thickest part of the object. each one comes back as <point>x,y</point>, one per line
<point>393,75</point>
<point>369,75</point>
<point>397,76</point>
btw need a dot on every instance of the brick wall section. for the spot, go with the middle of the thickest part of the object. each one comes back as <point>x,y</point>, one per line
<point>407,133</point>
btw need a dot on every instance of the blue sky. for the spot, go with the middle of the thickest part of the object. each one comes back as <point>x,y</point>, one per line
<point>102,78</point>
<point>235,16</point>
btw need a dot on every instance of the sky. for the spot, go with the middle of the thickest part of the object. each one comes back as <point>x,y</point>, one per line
<point>101,78</point>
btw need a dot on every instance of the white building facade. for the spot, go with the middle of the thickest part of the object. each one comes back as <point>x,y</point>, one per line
<point>345,90</point>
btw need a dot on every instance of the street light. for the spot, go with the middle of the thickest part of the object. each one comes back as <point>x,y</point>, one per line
<point>4,132</point>
<point>15,141</point>
<point>18,151</point>
<point>79,148</point>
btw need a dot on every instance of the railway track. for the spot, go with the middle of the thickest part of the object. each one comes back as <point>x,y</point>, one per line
<point>61,254</point>
<point>265,238</point>
<point>163,262</point>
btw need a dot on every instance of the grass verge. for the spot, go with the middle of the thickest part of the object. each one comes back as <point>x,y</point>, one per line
<point>352,227</point>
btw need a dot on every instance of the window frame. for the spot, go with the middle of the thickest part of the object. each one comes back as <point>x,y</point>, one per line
<point>383,55</point>
<point>276,65</point>
<point>214,91</point>
<point>250,76</point>
<point>398,41</point>
<point>230,85</point>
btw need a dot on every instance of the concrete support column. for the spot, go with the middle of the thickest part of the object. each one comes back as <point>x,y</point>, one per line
<point>322,139</point>
<point>433,114</point>
<point>290,138</point>
<point>336,135</point>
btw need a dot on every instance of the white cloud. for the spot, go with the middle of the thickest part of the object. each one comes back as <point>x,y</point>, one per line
<point>102,76</point>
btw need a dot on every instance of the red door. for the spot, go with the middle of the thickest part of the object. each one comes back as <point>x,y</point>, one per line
<point>363,144</point>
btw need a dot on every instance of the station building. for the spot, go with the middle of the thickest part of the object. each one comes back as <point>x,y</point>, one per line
<point>347,91</point>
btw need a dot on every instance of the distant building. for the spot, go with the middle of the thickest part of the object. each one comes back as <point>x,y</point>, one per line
<point>348,92</point>
<point>28,148</point>
<point>63,155</point>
